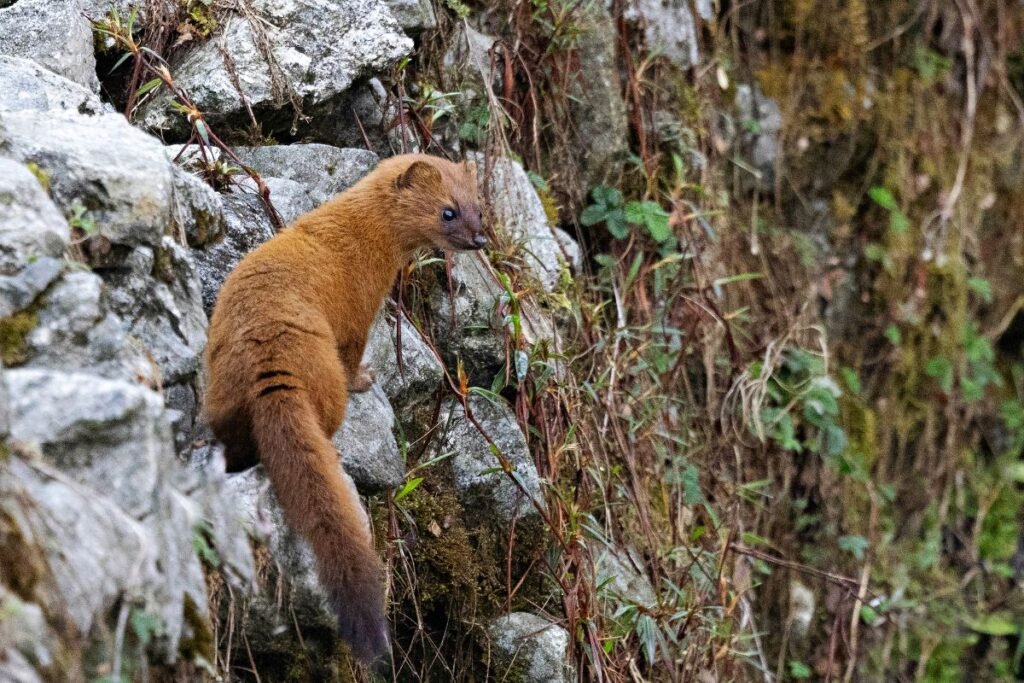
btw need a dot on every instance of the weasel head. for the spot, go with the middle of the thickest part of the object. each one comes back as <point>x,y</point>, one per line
<point>438,204</point>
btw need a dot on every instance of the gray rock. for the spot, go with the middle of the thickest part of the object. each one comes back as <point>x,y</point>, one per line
<point>107,434</point>
<point>619,577</point>
<point>530,649</point>
<point>322,170</point>
<point>412,388</point>
<point>198,210</point>
<point>474,463</point>
<point>570,248</point>
<point>519,210</point>
<point>156,294</point>
<point>211,503</point>
<point>15,668</point>
<point>182,409</point>
<point>77,331</point>
<point>320,48</point>
<point>670,28</point>
<point>30,224</point>
<point>118,513</point>
<point>372,122</point>
<point>25,638</point>
<point>367,443</point>
<point>467,63</point>
<point>467,325</point>
<point>597,107</point>
<point>18,291</point>
<point>414,16</point>
<point>27,86</point>
<point>288,197</point>
<point>77,528</point>
<point>103,163</point>
<point>760,122</point>
<point>248,226</point>
<point>54,34</point>
<point>251,494</point>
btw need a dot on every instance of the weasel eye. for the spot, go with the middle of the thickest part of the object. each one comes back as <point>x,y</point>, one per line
<point>449,214</point>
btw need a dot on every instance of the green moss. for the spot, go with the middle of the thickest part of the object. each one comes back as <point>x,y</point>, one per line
<point>13,331</point>
<point>42,176</point>
<point>197,643</point>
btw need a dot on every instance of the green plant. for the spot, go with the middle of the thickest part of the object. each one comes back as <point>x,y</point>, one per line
<point>608,208</point>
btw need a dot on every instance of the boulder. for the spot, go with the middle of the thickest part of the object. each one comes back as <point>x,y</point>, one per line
<point>479,480</point>
<point>109,435</point>
<point>55,34</point>
<point>76,528</point>
<point>529,649</point>
<point>322,170</point>
<point>288,197</point>
<point>414,16</point>
<point>619,578</point>
<point>468,320</point>
<point>115,513</point>
<point>519,211</point>
<point>198,210</point>
<point>412,385</point>
<point>318,49</point>
<point>27,86</point>
<point>670,28</point>
<point>18,291</point>
<point>157,295</point>
<point>366,441</point>
<point>30,225</point>
<point>74,329</point>
<point>104,165</point>
<point>247,227</point>
<point>597,107</point>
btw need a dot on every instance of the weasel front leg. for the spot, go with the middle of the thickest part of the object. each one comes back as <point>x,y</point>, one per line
<point>360,376</point>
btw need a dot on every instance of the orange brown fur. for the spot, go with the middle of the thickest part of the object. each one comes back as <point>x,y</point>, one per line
<point>285,345</point>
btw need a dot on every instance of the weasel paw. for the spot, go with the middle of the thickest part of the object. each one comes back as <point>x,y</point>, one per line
<point>363,379</point>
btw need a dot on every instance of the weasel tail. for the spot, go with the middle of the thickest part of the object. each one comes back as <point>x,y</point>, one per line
<point>323,507</point>
<point>285,349</point>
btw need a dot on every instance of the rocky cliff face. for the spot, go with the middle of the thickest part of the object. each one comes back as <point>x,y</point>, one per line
<point>123,546</point>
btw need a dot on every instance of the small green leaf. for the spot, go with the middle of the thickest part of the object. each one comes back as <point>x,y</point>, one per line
<point>799,670</point>
<point>893,334</point>
<point>981,287</point>
<point>742,277</point>
<point>203,133</point>
<point>593,214</point>
<point>868,614</point>
<point>883,198</point>
<point>148,86</point>
<point>874,251</point>
<point>854,544</point>
<point>942,370</point>
<point>993,625</point>
<point>898,222</point>
<point>408,488</point>
<point>851,380</point>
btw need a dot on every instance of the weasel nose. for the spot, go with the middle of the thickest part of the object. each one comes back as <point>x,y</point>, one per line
<point>479,241</point>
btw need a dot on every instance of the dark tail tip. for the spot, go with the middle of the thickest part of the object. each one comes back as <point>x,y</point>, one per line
<point>362,622</point>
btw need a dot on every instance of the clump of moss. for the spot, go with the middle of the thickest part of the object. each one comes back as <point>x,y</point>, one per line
<point>13,333</point>
<point>198,643</point>
<point>42,176</point>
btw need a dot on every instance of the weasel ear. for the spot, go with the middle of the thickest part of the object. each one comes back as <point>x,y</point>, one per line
<point>470,167</point>
<point>419,174</point>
